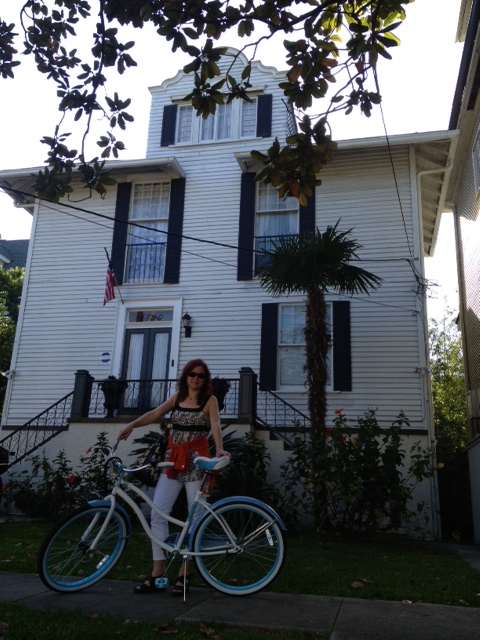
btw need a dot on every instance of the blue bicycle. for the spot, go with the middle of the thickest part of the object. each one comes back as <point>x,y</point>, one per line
<point>237,544</point>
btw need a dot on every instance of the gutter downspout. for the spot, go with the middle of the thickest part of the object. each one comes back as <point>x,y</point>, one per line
<point>427,380</point>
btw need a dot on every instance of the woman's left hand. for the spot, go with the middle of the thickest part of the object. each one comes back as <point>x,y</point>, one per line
<point>220,453</point>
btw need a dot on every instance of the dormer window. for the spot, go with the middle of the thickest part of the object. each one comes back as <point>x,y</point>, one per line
<point>233,121</point>
<point>217,126</point>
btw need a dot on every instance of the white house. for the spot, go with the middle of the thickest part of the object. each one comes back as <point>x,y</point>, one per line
<point>184,227</point>
<point>463,198</point>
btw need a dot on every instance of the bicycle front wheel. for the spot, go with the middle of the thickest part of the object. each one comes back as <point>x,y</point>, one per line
<point>66,561</point>
<point>251,561</point>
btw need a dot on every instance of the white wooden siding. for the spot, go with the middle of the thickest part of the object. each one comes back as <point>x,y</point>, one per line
<point>65,327</point>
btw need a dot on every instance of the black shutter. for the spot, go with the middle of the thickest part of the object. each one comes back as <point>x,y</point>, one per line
<point>120,229</point>
<point>268,346</point>
<point>168,125</point>
<point>307,216</point>
<point>264,116</point>
<point>246,227</point>
<point>175,230</point>
<point>342,353</point>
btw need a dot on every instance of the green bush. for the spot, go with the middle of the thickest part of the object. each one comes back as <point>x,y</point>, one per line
<point>246,475</point>
<point>51,488</point>
<point>354,480</point>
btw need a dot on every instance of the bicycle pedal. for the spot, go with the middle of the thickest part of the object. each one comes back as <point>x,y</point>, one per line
<point>161,583</point>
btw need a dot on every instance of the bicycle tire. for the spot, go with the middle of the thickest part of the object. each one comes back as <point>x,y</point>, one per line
<point>64,562</point>
<point>256,562</point>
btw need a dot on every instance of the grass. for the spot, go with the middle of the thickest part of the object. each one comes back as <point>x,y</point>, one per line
<point>50,625</point>
<point>387,568</point>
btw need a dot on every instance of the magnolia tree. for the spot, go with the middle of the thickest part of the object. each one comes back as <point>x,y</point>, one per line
<point>331,48</point>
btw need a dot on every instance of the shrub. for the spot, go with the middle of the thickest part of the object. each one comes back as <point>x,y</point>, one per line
<point>353,480</point>
<point>51,488</point>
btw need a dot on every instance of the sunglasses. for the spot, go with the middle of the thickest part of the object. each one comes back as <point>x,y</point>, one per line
<point>200,376</point>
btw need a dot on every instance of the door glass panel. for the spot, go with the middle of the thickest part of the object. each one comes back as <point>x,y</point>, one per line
<point>159,368</point>
<point>134,368</point>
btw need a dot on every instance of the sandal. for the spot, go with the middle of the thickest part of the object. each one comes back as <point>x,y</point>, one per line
<point>177,589</point>
<point>150,585</point>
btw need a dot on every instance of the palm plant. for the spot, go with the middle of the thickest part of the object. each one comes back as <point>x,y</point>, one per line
<point>314,264</point>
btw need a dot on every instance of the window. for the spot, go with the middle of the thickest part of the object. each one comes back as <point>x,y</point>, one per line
<point>274,218</point>
<point>147,246</point>
<point>282,348</point>
<point>248,119</point>
<point>151,251</point>
<point>217,126</point>
<point>263,217</point>
<point>184,124</point>
<point>291,345</point>
<point>238,119</point>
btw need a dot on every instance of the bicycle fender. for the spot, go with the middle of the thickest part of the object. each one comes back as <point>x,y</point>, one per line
<point>243,500</point>
<point>118,507</point>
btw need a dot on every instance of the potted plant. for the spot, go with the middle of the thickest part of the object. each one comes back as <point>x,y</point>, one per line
<point>220,387</point>
<point>112,389</point>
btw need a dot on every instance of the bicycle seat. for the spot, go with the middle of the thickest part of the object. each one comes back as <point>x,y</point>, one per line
<point>212,464</point>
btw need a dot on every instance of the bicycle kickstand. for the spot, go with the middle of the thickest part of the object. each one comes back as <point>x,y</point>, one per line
<point>185,577</point>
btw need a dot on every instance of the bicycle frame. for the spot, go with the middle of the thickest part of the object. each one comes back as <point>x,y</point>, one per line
<point>237,543</point>
<point>176,549</point>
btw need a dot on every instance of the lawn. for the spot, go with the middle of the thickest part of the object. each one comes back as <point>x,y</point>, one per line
<point>385,568</point>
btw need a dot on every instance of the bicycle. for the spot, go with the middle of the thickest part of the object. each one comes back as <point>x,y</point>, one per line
<point>237,545</point>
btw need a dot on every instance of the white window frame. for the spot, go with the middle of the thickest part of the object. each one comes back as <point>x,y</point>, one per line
<point>291,345</point>
<point>198,124</point>
<point>269,204</point>
<point>136,233</point>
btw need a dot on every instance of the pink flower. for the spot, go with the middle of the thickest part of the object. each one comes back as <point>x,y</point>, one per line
<point>338,412</point>
<point>71,479</point>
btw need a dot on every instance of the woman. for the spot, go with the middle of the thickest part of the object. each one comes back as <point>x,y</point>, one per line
<point>194,413</point>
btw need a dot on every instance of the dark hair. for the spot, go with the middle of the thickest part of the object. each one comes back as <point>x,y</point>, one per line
<point>206,389</point>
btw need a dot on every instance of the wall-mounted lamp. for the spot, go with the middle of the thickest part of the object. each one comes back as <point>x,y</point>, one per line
<point>187,325</point>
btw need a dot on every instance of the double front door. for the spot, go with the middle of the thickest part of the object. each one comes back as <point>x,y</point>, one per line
<point>145,366</point>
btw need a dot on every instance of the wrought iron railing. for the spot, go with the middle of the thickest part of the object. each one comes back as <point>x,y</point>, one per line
<point>146,262</point>
<point>36,432</point>
<point>264,246</point>
<point>276,413</point>
<point>142,395</point>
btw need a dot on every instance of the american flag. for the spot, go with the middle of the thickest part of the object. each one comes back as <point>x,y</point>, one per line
<point>109,285</point>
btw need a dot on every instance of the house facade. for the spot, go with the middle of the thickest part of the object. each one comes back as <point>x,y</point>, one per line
<point>186,228</point>
<point>463,198</point>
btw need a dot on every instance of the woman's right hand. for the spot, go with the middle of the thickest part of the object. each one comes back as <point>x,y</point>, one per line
<point>124,433</point>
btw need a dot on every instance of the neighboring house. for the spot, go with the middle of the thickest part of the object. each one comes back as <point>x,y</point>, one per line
<point>463,198</point>
<point>13,253</point>
<point>185,228</point>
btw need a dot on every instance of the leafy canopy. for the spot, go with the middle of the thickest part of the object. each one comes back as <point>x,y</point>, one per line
<point>316,262</point>
<point>332,49</point>
<point>448,386</point>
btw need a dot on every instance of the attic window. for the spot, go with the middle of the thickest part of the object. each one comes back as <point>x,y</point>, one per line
<point>234,121</point>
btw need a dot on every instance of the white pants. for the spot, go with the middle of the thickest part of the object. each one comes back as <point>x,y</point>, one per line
<point>166,492</point>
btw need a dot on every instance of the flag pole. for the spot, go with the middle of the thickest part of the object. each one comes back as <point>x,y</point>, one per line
<point>114,277</point>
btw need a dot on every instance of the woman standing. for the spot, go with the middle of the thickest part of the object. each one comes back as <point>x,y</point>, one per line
<point>194,414</point>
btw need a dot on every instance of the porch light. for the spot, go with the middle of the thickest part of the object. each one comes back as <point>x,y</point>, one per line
<point>187,325</point>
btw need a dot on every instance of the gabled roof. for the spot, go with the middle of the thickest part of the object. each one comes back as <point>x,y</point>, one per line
<point>13,253</point>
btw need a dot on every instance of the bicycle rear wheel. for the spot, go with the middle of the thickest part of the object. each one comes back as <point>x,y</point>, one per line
<point>249,564</point>
<point>65,561</point>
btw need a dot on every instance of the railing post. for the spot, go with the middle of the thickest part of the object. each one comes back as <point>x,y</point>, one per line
<point>82,392</point>
<point>247,395</point>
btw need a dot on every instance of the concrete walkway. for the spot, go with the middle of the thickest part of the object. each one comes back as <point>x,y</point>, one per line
<point>333,618</point>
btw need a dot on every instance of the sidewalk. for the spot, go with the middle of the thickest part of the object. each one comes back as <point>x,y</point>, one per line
<point>333,618</point>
